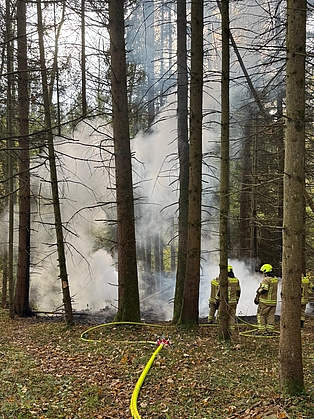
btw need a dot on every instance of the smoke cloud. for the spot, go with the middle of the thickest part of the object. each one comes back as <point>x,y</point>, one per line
<point>86,180</point>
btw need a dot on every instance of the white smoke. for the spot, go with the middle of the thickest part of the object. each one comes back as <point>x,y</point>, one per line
<point>84,183</point>
<point>92,275</point>
<point>85,179</point>
<point>249,282</point>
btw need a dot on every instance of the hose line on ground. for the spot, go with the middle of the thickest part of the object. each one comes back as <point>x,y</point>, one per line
<point>160,343</point>
<point>115,324</point>
<point>140,381</point>
<point>253,333</point>
<point>137,388</point>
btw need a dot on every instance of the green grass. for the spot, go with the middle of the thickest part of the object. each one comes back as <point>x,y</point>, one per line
<point>48,371</point>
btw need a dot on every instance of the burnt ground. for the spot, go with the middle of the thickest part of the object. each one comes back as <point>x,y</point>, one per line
<point>106,315</point>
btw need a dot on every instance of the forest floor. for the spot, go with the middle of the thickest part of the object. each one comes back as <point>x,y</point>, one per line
<point>49,371</point>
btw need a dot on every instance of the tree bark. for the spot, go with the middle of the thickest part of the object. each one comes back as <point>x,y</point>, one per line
<point>290,347</point>
<point>128,293</point>
<point>10,188</point>
<point>190,314</point>
<point>83,69</point>
<point>223,330</point>
<point>21,303</point>
<point>183,152</point>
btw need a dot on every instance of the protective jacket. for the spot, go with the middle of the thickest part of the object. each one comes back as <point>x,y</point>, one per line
<point>214,290</point>
<point>234,290</point>
<point>267,291</point>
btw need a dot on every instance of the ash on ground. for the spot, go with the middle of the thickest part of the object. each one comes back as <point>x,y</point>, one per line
<point>107,315</point>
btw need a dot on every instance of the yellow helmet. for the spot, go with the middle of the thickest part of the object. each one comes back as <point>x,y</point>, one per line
<point>230,268</point>
<point>266,268</point>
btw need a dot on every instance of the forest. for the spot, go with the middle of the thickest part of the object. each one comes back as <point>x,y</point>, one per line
<point>148,144</point>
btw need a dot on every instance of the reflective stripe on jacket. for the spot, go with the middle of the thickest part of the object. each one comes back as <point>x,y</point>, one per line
<point>269,284</point>
<point>234,290</point>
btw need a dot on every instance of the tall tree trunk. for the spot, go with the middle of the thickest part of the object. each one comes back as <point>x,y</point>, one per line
<point>4,289</point>
<point>128,293</point>
<point>54,178</point>
<point>255,223</point>
<point>10,146</point>
<point>223,331</point>
<point>189,314</point>
<point>162,51</point>
<point>55,69</point>
<point>290,347</point>
<point>183,151</point>
<point>83,69</point>
<point>21,303</point>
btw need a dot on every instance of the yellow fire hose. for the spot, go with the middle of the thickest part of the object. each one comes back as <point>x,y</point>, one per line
<point>140,381</point>
<point>137,388</point>
<point>115,324</point>
<point>254,333</point>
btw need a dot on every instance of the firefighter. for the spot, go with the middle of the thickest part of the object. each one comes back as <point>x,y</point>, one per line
<point>213,300</point>
<point>234,292</point>
<point>266,299</point>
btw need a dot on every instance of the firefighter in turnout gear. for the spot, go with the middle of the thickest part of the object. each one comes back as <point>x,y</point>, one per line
<point>266,298</point>
<point>234,292</point>
<point>213,300</point>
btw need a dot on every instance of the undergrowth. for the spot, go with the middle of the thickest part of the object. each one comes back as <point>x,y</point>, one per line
<point>48,371</point>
